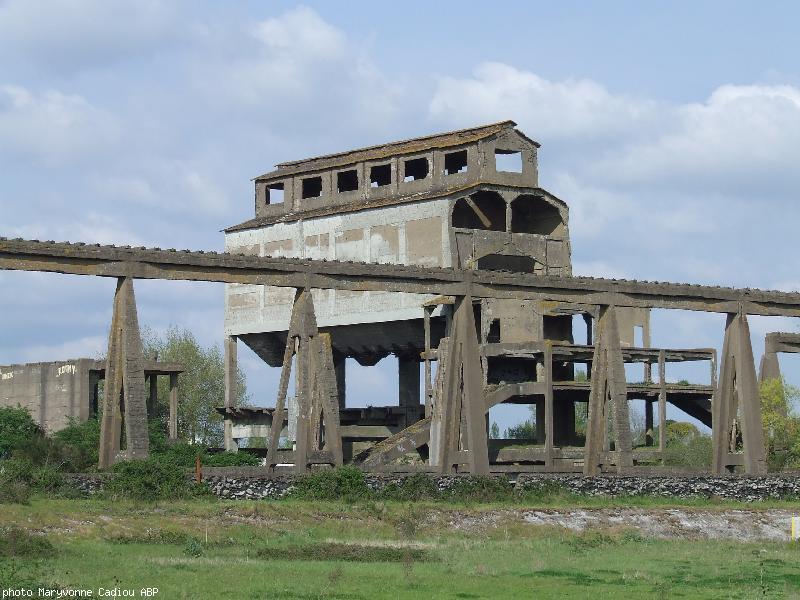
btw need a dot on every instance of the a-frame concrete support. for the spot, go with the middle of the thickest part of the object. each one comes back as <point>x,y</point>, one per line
<point>608,392</point>
<point>124,388</point>
<point>459,419</point>
<point>737,402</point>
<point>318,434</point>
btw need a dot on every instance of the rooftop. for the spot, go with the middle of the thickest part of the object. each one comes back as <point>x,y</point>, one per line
<point>410,146</point>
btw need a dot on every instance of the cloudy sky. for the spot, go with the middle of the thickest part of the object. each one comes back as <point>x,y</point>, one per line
<point>671,129</point>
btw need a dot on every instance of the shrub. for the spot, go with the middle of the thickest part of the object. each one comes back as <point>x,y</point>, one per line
<point>345,483</point>
<point>84,441</point>
<point>230,459</point>
<point>149,480</point>
<point>16,429</point>
<point>480,489</point>
<point>16,542</point>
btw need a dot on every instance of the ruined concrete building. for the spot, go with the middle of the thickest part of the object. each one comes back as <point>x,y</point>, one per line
<point>56,393</point>
<point>444,251</point>
<point>468,199</point>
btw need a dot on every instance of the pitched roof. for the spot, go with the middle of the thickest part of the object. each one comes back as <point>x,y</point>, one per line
<point>419,144</point>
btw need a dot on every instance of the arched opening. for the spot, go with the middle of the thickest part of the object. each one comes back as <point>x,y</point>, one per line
<point>533,214</point>
<point>482,210</point>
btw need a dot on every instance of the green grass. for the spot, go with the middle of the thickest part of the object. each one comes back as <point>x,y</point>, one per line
<point>298,549</point>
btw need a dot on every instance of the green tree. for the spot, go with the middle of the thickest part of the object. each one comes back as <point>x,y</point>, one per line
<point>494,431</point>
<point>781,424</point>
<point>201,387</point>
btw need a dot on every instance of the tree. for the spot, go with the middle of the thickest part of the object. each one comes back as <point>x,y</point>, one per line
<point>494,431</point>
<point>781,425</point>
<point>201,387</point>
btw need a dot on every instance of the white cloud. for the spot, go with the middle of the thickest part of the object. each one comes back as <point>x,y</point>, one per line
<point>573,108</point>
<point>741,137</point>
<point>295,73</point>
<point>51,127</point>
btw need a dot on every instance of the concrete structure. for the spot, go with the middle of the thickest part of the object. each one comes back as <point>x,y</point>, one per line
<point>57,392</point>
<point>488,271</point>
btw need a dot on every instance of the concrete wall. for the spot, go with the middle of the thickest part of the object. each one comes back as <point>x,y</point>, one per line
<point>415,234</point>
<point>52,392</point>
<point>481,166</point>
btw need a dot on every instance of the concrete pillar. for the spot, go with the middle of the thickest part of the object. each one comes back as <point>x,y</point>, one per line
<point>152,399</point>
<point>173,406</point>
<point>648,423</point>
<point>124,387</point>
<point>540,422</point>
<point>408,386</point>
<point>339,366</point>
<point>231,372</point>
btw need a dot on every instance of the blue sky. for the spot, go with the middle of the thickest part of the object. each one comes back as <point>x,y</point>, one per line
<point>671,129</point>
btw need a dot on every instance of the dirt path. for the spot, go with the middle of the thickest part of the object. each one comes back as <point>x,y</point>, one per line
<point>744,525</point>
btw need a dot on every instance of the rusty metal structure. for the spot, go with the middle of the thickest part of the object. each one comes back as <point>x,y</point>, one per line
<point>433,250</point>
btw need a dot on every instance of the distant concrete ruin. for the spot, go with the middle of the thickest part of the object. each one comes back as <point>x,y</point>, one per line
<point>56,393</point>
<point>444,252</point>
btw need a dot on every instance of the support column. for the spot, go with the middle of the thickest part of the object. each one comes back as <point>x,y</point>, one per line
<point>152,400</point>
<point>662,403</point>
<point>738,397</point>
<point>648,423</point>
<point>173,407</point>
<point>540,421</point>
<point>549,429</point>
<point>339,366</point>
<point>428,310</point>
<point>608,389</point>
<point>231,387</point>
<point>462,425</point>
<point>409,382</point>
<point>124,388</point>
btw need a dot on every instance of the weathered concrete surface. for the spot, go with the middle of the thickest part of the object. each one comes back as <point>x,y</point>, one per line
<point>55,392</point>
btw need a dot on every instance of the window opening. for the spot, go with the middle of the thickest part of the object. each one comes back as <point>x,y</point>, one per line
<point>380,175</point>
<point>508,161</point>
<point>455,162</point>
<point>347,181</point>
<point>312,187</point>
<point>493,336</point>
<point>416,168</point>
<point>275,193</point>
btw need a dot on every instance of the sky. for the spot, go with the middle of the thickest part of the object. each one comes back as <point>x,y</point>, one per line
<point>672,130</point>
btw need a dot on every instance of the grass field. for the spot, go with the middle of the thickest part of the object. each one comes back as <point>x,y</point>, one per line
<point>296,549</point>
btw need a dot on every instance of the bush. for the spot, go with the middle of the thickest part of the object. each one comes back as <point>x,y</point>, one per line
<point>230,459</point>
<point>84,440</point>
<point>480,489</point>
<point>149,480</point>
<point>16,429</point>
<point>342,483</point>
<point>16,542</point>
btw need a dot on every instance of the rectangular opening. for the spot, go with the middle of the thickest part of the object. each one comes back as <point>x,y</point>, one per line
<point>493,336</point>
<point>514,422</point>
<point>380,175</point>
<point>275,193</point>
<point>312,187</point>
<point>511,369</point>
<point>455,162</point>
<point>347,181</point>
<point>416,168</point>
<point>508,161</point>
